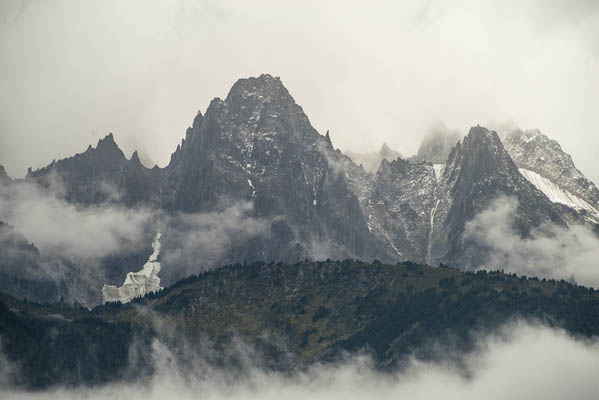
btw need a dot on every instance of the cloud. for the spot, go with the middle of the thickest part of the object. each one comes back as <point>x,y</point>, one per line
<point>550,251</point>
<point>337,164</point>
<point>195,242</point>
<point>438,143</point>
<point>372,161</point>
<point>370,72</point>
<point>7,370</point>
<point>56,226</point>
<point>80,240</point>
<point>321,250</point>
<point>522,361</point>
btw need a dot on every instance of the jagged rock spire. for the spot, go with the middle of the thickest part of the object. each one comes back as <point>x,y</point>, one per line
<point>107,142</point>
<point>135,158</point>
<point>4,178</point>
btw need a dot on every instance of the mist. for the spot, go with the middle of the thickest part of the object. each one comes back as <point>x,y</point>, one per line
<point>550,251</point>
<point>199,241</point>
<point>438,143</point>
<point>72,71</point>
<point>82,239</point>
<point>56,226</point>
<point>513,362</point>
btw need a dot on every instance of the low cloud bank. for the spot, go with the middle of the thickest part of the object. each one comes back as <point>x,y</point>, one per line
<point>521,361</point>
<point>550,252</point>
<point>82,245</point>
<point>54,225</point>
<point>194,242</point>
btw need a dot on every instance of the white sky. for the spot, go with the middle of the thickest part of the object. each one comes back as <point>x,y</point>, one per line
<point>370,71</point>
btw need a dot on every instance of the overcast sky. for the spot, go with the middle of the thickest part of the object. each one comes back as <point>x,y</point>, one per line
<point>371,71</point>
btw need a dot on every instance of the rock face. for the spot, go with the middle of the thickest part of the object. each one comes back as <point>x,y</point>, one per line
<point>4,178</point>
<point>258,145</point>
<point>543,162</point>
<point>421,209</point>
<point>478,171</point>
<point>102,174</point>
<point>140,283</point>
<point>401,206</point>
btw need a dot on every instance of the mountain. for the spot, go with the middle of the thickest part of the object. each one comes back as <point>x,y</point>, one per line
<point>253,180</point>
<point>478,171</point>
<point>101,174</point>
<point>255,147</point>
<point>543,162</point>
<point>421,209</point>
<point>258,145</point>
<point>289,316</point>
<point>400,206</point>
<point>371,161</point>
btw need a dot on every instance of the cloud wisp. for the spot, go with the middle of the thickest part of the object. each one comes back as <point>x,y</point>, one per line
<point>195,242</point>
<point>522,360</point>
<point>56,226</point>
<point>549,252</point>
<point>86,240</point>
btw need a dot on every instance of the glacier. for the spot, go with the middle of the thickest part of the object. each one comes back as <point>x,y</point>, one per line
<point>140,283</point>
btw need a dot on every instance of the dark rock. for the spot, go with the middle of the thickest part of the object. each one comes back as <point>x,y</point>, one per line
<point>101,175</point>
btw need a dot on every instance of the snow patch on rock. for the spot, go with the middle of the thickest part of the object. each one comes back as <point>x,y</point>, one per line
<point>557,194</point>
<point>140,283</point>
<point>252,187</point>
<point>438,168</point>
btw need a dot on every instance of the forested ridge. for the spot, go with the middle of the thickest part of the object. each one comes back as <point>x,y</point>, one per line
<point>292,314</point>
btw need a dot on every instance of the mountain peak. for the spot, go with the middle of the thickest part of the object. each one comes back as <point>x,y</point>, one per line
<point>437,144</point>
<point>533,151</point>
<point>3,175</point>
<point>532,138</point>
<point>388,153</point>
<point>135,158</point>
<point>481,133</point>
<point>197,121</point>
<point>384,149</point>
<point>107,142</point>
<point>264,87</point>
<point>327,137</point>
<point>482,143</point>
<point>480,138</point>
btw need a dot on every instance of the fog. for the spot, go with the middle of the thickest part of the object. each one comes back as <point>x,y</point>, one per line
<point>382,71</point>
<point>438,143</point>
<point>550,252</point>
<point>199,241</point>
<point>83,236</point>
<point>513,363</point>
<point>54,225</point>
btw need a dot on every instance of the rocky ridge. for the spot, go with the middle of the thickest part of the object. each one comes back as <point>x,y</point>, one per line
<point>258,146</point>
<point>543,162</point>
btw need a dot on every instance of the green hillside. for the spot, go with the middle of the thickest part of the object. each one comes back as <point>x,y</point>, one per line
<point>293,314</point>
